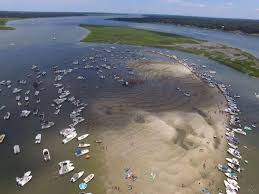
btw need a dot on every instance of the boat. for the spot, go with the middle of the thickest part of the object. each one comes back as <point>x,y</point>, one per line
<point>77,176</point>
<point>64,94</point>
<point>65,132</point>
<point>21,181</point>
<point>17,98</point>
<point>240,131</point>
<point>224,168</point>
<point>83,145</point>
<point>233,161</point>
<point>38,139</point>
<point>25,113</point>
<point>7,116</point>
<point>46,154</point>
<point>234,153</point>
<point>230,134</point>
<point>81,152</point>
<point>65,167</point>
<point>233,182</point>
<point>82,137</point>
<point>16,149</point>
<point>16,90</point>
<point>89,178</point>
<point>231,175</point>
<point>230,187</point>
<point>257,95</point>
<point>47,125</point>
<point>233,146</point>
<point>2,138</point>
<point>59,101</point>
<point>234,167</point>
<point>69,137</point>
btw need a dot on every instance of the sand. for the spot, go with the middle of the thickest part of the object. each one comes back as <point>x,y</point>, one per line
<point>172,146</point>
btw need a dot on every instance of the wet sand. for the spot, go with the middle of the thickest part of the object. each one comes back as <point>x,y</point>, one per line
<point>171,146</point>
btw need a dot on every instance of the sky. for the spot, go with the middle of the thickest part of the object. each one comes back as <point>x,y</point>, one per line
<point>208,8</point>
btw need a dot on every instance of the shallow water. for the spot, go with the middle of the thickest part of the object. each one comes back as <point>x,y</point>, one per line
<point>34,45</point>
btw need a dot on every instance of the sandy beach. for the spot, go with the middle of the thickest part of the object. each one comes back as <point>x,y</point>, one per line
<point>171,143</point>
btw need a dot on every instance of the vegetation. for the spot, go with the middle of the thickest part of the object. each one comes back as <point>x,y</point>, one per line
<point>3,21</point>
<point>241,61</point>
<point>242,25</point>
<point>125,35</point>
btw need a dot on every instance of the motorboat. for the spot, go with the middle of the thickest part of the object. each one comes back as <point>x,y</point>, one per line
<point>2,136</point>
<point>21,181</point>
<point>230,187</point>
<point>234,167</point>
<point>59,101</point>
<point>240,131</point>
<point>7,116</point>
<point>233,161</point>
<point>69,137</point>
<point>89,178</point>
<point>64,94</point>
<point>65,132</point>
<point>77,176</point>
<point>25,113</point>
<point>16,149</point>
<point>82,137</point>
<point>46,155</point>
<point>16,90</point>
<point>233,146</point>
<point>65,167</point>
<point>81,152</point>
<point>231,175</point>
<point>224,168</point>
<point>233,182</point>
<point>234,153</point>
<point>83,145</point>
<point>47,125</point>
<point>38,139</point>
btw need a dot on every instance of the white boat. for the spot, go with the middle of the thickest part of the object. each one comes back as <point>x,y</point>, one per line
<point>16,90</point>
<point>234,167</point>
<point>64,94</point>
<point>59,101</point>
<point>7,116</point>
<point>65,167</point>
<point>47,125</point>
<point>232,145</point>
<point>233,161</point>
<point>21,181</point>
<point>2,138</point>
<point>83,145</point>
<point>25,113</point>
<point>89,178</point>
<point>230,187</point>
<point>46,154</point>
<point>231,175</point>
<point>234,153</point>
<point>70,137</point>
<point>257,95</point>
<point>16,149</point>
<point>26,98</point>
<point>65,132</point>
<point>233,182</point>
<point>77,176</point>
<point>82,137</point>
<point>81,152</point>
<point>230,134</point>
<point>240,131</point>
<point>17,98</point>
<point>38,139</point>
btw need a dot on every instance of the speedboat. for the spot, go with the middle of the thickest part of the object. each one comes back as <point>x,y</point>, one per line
<point>233,182</point>
<point>25,113</point>
<point>65,167</point>
<point>231,175</point>
<point>234,167</point>
<point>2,138</point>
<point>240,131</point>
<point>16,90</point>
<point>233,146</point>
<point>21,181</point>
<point>224,168</point>
<point>82,137</point>
<point>7,116</point>
<point>46,155</point>
<point>38,138</point>
<point>65,132</point>
<point>16,149</point>
<point>233,161</point>
<point>81,152</point>
<point>47,125</point>
<point>69,137</point>
<point>234,153</point>
<point>77,176</point>
<point>230,187</point>
<point>59,101</point>
<point>64,94</point>
<point>83,145</point>
<point>89,178</point>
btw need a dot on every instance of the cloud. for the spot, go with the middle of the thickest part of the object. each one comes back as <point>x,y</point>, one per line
<point>186,3</point>
<point>229,3</point>
<point>257,9</point>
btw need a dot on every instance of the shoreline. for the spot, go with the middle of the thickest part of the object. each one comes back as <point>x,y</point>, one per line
<point>147,146</point>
